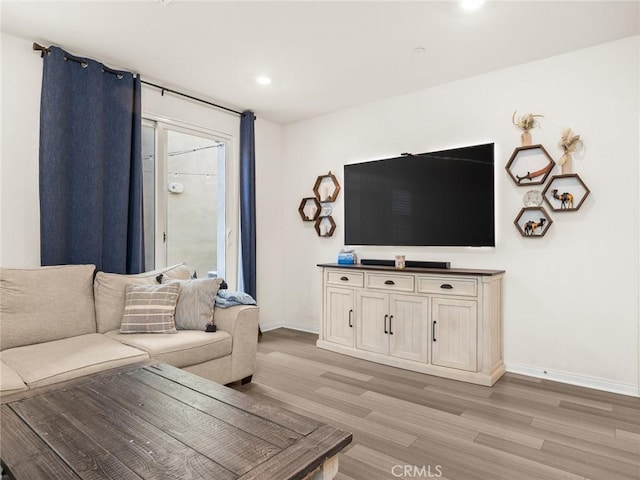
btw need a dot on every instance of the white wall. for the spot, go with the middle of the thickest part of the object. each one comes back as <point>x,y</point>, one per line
<point>571,297</point>
<point>272,244</point>
<point>19,201</point>
<point>19,207</point>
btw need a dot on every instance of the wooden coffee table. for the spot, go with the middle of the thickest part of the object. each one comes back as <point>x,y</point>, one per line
<point>159,422</point>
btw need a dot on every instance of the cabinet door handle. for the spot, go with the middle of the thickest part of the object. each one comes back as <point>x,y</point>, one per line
<point>350,321</point>
<point>390,318</point>
<point>344,279</point>
<point>385,323</point>
<point>447,286</point>
<point>433,331</point>
<point>389,282</point>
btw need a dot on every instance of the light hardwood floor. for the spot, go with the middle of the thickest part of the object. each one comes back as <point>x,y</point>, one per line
<point>410,425</point>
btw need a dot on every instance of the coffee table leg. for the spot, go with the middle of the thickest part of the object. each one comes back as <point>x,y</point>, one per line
<point>327,471</point>
<point>3,473</point>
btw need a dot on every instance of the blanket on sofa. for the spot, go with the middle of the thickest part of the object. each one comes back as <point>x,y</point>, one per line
<point>226,299</point>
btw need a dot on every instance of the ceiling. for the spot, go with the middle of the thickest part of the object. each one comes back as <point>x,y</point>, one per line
<point>321,56</point>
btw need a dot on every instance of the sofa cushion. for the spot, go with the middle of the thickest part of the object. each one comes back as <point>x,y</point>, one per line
<point>176,272</point>
<point>47,303</point>
<point>59,360</point>
<point>196,302</point>
<point>110,289</point>
<point>187,347</point>
<point>150,308</point>
<point>10,381</point>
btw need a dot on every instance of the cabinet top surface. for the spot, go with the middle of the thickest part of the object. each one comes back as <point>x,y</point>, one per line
<point>438,271</point>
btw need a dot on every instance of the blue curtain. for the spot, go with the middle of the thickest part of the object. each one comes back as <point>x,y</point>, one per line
<point>90,165</point>
<point>248,202</point>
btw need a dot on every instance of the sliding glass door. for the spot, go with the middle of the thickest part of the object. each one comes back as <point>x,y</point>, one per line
<point>184,188</point>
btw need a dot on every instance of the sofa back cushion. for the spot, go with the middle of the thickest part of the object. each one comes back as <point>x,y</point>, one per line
<point>110,290</point>
<point>47,303</point>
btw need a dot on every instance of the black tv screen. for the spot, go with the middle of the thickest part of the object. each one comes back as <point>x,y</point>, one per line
<point>443,198</point>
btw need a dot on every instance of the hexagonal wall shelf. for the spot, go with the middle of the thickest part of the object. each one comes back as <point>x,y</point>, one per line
<point>565,193</point>
<point>325,226</point>
<point>326,188</point>
<point>529,165</point>
<point>318,208</point>
<point>533,222</point>
<point>309,209</point>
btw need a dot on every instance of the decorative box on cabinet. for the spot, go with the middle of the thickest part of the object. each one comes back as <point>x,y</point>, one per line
<point>439,322</point>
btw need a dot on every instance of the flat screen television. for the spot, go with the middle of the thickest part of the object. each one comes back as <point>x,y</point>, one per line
<point>443,198</point>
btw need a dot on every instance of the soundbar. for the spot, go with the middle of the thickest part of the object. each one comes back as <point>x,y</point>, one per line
<point>408,263</point>
<point>379,263</point>
<point>418,264</point>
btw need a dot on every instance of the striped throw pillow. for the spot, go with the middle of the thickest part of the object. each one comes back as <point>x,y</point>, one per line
<point>150,308</point>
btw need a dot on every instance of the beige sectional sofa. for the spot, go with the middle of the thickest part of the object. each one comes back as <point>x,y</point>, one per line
<point>62,322</point>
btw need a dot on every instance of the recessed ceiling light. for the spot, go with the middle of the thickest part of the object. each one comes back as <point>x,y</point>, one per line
<point>263,80</point>
<point>471,4</point>
<point>419,50</point>
<point>164,2</point>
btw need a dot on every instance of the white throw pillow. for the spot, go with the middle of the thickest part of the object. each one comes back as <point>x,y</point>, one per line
<point>196,302</point>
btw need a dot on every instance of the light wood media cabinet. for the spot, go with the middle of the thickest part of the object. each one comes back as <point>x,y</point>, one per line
<point>444,322</point>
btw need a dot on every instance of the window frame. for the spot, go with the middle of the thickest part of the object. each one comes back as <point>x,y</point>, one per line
<point>227,241</point>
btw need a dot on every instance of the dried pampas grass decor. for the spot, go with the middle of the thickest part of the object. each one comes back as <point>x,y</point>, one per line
<point>525,123</point>
<point>569,143</point>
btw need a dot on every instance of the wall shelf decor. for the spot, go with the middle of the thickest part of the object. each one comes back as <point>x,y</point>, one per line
<point>570,143</point>
<point>533,198</point>
<point>326,210</point>
<point>565,193</point>
<point>529,165</point>
<point>533,222</point>
<point>326,188</point>
<point>318,208</point>
<point>309,209</point>
<point>525,123</point>
<point>325,226</point>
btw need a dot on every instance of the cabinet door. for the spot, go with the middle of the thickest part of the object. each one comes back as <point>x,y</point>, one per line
<point>454,327</point>
<point>408,327</point>
<point>372,322</point>
<point>340,316</point>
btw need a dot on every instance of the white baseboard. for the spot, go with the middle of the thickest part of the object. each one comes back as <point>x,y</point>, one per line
<point>301,329</point>
<point>575,379</point>
<point>268,328</point>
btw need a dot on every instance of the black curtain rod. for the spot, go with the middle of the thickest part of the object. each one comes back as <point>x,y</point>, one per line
<point>45,50</point>
<point>164,89</point>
